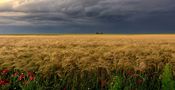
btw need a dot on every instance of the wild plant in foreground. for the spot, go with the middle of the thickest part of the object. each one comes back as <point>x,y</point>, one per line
<point>116,83</point>
<point>167,78</point>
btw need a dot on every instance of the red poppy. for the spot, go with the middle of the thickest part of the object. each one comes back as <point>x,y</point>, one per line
<point>4,72</point>
<point>130,72</point>
<point>15,74</point>
<point>29,73</point>
<point>4,82</point>
<point>21,77</point>
<point>139,81</point>
<point>31,78</point>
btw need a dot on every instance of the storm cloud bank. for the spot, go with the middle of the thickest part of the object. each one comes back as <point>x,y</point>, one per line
<point>109,14</point>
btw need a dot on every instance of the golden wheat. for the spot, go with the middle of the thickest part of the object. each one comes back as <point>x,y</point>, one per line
<point>87,52</point>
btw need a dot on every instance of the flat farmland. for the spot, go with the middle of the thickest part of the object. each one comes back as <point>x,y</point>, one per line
<point>98,56</point>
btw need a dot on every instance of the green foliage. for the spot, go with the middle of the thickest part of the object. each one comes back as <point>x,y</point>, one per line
<point>167,78</point>
<point>116,83</point>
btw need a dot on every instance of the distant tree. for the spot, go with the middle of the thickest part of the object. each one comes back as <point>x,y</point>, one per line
<point>99,33</point>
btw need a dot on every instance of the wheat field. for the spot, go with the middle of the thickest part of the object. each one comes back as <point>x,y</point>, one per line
<point>87,52</point>
<point>104,54</point>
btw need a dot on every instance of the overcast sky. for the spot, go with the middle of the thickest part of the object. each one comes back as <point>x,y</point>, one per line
<point>87,16</point>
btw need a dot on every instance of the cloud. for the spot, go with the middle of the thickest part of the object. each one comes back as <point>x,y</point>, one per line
<point>87,12</point>
<point>6,6</point>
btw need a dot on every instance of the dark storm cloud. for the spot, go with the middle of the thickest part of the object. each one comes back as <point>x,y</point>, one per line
<point>78,13</point>
<point>84,11</point>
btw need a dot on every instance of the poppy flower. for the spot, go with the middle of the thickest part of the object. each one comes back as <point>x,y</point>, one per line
<point>4,72</point>
<point>21,77</point>
<point>130,72</point>
<point>29,73</point>
<point>139,81</point>
<point>15,74</point>
<point>31,78</point>
<point>4,82</point>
